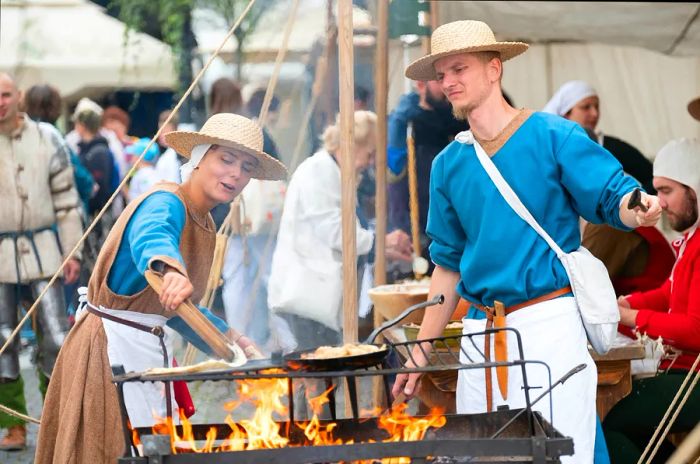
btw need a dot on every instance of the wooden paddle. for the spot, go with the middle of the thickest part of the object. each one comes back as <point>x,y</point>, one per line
<point>203,327</point>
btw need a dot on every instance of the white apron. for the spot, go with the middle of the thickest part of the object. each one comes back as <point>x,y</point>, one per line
<point>137,351</point>
<point>551,332</point>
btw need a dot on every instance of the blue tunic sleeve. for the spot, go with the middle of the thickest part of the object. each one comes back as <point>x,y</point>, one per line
<point>593,178</point>
<point>154,230</point>
<point>444,229</point>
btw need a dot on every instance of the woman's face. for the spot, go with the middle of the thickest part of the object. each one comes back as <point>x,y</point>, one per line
<point>586,112</point>
<point>364,156</point>
<point>223,173</point>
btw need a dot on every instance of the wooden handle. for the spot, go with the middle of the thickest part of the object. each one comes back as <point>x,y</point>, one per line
<point>197,321</point>
<point>413,196</point>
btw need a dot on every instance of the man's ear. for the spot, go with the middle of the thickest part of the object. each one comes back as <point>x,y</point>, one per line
<point>495,69</point>
<point>420,87</point>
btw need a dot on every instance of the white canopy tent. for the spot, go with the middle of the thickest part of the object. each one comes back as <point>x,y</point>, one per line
<point>643,59</point>
<point>75,46</point>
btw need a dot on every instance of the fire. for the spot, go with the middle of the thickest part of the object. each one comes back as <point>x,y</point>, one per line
<point>262,431</point>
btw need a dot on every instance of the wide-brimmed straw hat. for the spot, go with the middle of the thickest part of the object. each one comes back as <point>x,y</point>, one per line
<point>233,131</point>
<point>461,37</point>
<point>694,108</point>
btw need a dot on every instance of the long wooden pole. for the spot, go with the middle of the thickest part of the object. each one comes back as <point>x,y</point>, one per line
<point>346,82</point>
<point>381,85</point>
<point>381,88</point>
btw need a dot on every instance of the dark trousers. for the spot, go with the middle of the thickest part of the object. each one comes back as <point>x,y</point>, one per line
<point>630,424</point>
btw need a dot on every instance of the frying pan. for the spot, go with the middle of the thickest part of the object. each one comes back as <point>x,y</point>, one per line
<point>297,361</point>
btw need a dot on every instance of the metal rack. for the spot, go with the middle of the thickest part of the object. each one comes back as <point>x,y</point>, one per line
<point>505,433</point>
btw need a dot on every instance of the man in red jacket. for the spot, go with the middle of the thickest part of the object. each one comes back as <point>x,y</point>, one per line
<point>671,312</point>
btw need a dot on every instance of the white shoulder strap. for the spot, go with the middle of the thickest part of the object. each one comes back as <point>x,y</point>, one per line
<point>509,195</point>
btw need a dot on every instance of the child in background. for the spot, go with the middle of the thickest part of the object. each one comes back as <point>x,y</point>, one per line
<point>146,175</point>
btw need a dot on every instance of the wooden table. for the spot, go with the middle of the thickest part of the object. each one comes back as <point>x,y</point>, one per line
<point>614,377</point>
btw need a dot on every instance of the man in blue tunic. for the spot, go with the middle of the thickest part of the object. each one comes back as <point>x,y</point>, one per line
<point>484,252</point>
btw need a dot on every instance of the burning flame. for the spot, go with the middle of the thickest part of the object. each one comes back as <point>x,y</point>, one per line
<point>262,431</point>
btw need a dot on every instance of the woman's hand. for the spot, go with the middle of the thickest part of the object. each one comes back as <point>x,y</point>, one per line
<point>176,289</point>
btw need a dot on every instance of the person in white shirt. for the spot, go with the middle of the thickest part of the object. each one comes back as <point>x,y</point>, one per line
<point>146,175</point>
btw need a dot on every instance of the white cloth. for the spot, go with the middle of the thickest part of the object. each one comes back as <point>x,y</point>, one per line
<point>144,179</point>
<point>196,156</point>
<point>567,96</point>
<point>551,332</point>
<point>309,242</point>
<point>679,160</point>
<point>168,166</point>
<point>137,351</point>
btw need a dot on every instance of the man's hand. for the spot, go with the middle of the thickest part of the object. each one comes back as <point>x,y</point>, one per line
<point>636,217</point>
<point>176,289</point>
<point>71,271</point>
<point>398,246</point>
<point>409,383</point>
<point>622,301</point>
<point>628,317</point>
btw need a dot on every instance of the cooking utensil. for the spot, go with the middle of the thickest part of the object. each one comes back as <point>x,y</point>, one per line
<point>297,361</point>
<point>202,326</point>
<point>636,201</point>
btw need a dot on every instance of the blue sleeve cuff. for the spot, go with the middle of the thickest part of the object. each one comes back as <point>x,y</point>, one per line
<point>178,324</point>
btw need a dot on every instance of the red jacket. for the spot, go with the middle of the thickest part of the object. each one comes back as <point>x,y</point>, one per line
<point>672,311</point>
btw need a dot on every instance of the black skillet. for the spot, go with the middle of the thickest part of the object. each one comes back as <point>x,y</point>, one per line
<point>298,361</point>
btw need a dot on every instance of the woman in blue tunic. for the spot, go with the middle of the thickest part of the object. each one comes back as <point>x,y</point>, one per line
<point>168,229</point>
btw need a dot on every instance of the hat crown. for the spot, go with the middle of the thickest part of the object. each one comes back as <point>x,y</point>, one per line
<point>236,128</point>
<point>461,34</point>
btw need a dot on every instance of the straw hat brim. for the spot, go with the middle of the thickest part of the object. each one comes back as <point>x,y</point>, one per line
<point>694,108</point>
<point>423,70</point>
<point>268,167</point>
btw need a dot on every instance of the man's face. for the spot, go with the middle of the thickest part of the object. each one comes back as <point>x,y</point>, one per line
<point>678,201</point>
<point>9,99</point>
<point>466,80</point>
<point>434,96</point>
<point>586,112</point>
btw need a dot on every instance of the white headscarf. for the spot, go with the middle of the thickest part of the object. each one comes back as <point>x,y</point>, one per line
<point>567,96</point>
<point>196,155</point>
<point>679,160</point>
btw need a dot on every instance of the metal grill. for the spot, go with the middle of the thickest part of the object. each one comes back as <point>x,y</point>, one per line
<point>504,435</point>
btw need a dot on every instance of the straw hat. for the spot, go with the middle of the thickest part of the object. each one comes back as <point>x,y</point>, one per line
<point>461,37</point>
<point>694,108</point>
<point>234,131</point>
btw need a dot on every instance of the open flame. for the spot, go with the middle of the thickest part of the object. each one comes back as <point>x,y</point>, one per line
<point>262,431</point>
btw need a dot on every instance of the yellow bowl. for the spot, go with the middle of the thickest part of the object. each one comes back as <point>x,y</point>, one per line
<point>411,331</point>
<point>392,300</point>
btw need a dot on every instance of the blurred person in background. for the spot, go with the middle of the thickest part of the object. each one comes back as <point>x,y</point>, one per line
<point>307,262</point>
<point>169,162</point>
<point>146,175</point>
<point>39,223</point>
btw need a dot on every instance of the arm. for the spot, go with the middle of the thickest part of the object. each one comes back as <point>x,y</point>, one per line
<point>446,251</point>
<point>319,206</point>
<point>681,329</point>
<point>154,234</point>
<point>598,187</point>
<point>397,126</point>
<point>66,202</point>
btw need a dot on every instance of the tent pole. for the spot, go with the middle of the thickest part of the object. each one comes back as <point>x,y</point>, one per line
<point>346,83</point>
<point>381,85</point>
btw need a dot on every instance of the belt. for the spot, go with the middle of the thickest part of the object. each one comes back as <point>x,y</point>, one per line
<point>496,318</point>
<point>154,330</point>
